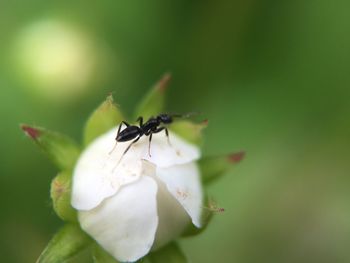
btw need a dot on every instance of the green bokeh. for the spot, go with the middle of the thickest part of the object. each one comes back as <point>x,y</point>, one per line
<point>273,79</point>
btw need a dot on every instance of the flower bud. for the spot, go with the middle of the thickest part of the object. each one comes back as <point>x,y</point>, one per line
<point>133,198</point>
<point>134,203</point>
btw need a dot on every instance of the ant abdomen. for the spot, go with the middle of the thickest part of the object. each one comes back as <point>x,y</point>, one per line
<point>128,134</point>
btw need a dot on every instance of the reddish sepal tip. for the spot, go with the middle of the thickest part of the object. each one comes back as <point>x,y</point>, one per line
<point>164,82</point>
<point>205,122</point>
<point>236,157</point>
<point>30,131</point>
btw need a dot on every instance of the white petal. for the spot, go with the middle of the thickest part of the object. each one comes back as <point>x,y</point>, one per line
<point>99,174</point>
<point>125,224</point>
<point>183,182</point>
<point>165,155</point>
<point>173,218</point>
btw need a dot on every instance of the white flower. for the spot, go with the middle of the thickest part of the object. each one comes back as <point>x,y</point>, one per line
<point>141,203</point>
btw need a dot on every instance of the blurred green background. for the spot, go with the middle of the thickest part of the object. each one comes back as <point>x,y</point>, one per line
<point>271,76</point>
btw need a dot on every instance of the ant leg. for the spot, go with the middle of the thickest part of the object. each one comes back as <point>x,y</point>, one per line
<point>166,133</point>
<point>158,129</point>
<point>126,124</point>
<point>167,136</point>
<point>126,150</point>
<point>140,120</point>
<point>149,133</point>
<point>149,145</point>
<point>116,142</point>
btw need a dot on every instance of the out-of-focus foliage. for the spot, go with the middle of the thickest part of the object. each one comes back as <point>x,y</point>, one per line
<point>271,77</point>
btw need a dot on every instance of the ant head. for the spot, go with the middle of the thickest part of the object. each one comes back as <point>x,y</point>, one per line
<point>165,118</point>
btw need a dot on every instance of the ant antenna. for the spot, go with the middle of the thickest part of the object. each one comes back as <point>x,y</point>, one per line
<point>116,139</point>
<point>115,167</point>
<point>111,151</point>
<point>186,115</point>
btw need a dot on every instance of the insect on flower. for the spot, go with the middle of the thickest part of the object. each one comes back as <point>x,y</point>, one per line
<point>148,202</point>
<point>151,126</point>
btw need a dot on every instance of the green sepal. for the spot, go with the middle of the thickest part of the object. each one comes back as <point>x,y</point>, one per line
<point>104,118</point>
<point>190,131</point>
<point>99,255</point>
<point>60,192</point>
<point>144,260</point>
<point>61,149</point>
<point>213,167</point>
<point>206,216</point>
<point>153,102</point>
<point>67,242</point>
<point>171,253</point>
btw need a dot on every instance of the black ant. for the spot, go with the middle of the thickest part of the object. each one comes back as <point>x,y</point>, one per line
<point>151,126</point>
